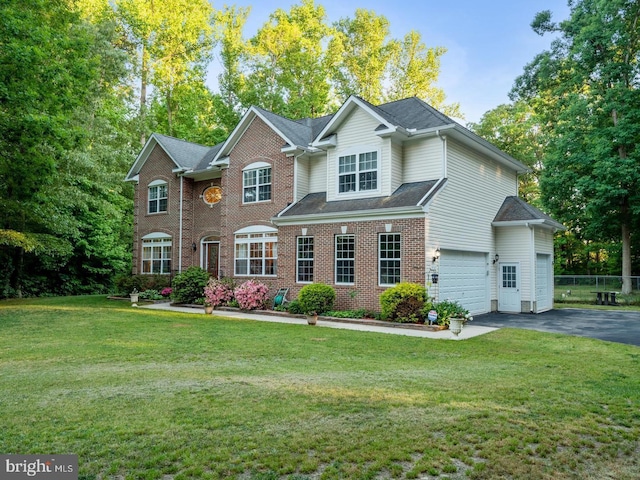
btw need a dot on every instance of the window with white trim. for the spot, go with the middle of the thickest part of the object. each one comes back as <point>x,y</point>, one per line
<point>256,185</point>
<point>157,196</point>
<point>358,172</point>
<point>345,259</point>
<point>256,254</point>
<point>304,260</point>
<point>389,257</point>
<point>156,255</point>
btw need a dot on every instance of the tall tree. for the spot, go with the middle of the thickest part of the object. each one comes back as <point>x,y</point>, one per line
<point>54,67</point>
<point>365,50</point>
<point>289,64</point>
<point>229,24</point>
<point>414,70</point>
<point>591,178</point>
<point>171,38</point>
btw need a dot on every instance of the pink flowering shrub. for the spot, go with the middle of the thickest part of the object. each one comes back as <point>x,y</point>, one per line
<point>252,295</point>
<point>166,291</point>
<point>218,292</point>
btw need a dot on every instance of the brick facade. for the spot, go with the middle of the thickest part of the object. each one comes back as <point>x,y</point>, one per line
<point>260,143</point>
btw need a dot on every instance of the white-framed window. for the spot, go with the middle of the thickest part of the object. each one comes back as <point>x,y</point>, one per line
<point>256,183</point>
<point>256,253</point>
<point>304,260</point>
<point>389,258</point>
<point>157,196</point>
<point>156,254</point>
<point>358,172</point>
<point>345,259</point>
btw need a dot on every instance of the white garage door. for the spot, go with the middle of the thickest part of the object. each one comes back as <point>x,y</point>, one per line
<point>463,277</point>
<point>544,295</point>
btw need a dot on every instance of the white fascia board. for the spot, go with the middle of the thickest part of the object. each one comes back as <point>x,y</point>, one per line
<point>357,216</point>
<point>142,158</point>
<point>134,179</point>
<point>527,223</point>
<point>439,184</point>
<point>351,103</point>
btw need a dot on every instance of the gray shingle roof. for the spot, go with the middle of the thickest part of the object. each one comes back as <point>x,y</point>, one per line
<point>407,195</point>
<point>514,209</point>
<point>185,154</point>
<point>411,113</point>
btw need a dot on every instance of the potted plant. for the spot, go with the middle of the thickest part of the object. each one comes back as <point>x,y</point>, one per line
<point>134,295</point>
<point>208,308</point>
<point>459,317</point>
<point>312,317</point>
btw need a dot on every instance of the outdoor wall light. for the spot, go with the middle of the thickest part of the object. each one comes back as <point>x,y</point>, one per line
<point>496,258</point>
<point>194,246</point>
<point>436,255</point>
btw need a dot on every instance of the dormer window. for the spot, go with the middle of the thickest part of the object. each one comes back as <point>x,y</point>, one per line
<point>256,183</point>
<point>358,172</point>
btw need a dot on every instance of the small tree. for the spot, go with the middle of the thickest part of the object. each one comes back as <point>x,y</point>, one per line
<point>316,298</point>
<point>403,303</point>
<point>188,286</point>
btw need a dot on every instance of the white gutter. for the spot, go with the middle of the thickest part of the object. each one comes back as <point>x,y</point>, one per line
<point>355,216</point>
<point>433,189</point>
<point>532,269</point>
<point>180,227</point>
<point>443,138</point>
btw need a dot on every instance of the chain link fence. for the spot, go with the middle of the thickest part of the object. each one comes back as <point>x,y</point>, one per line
<point>583,288</point>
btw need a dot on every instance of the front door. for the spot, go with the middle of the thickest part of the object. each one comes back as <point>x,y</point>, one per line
<point>509,295</point>
<point>212,259</point>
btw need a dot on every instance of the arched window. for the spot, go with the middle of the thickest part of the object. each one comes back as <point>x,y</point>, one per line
<point>157,196</point>
<point>256,251</point>
<point>256,183</point>
<point>156,253</point>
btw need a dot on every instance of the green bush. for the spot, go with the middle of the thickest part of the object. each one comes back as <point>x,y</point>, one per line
<point>317,297</point>
<point>292,307</point>
<point>124,284</point>
<point>447,309</point>
<point>188,286</point>
<point>404,303</point>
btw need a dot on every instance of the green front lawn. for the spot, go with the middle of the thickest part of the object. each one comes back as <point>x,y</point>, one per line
<point>143,394</point>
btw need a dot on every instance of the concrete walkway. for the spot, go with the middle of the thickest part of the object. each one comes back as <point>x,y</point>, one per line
<point>468,331</point>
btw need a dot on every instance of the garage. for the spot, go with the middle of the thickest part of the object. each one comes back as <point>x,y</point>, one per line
<point>544,295</point>
<point>464,278</point>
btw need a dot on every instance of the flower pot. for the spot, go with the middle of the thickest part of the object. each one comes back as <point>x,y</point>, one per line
<point>134,297</point>
<point>312,319</point>
<point>455,325</point>
<point>208,309</point>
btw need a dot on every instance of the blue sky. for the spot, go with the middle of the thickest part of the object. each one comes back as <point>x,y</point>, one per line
<point>488,42</point>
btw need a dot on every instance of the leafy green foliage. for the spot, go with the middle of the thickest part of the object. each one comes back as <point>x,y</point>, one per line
<point>585,92</point>
<point>316,298</point>
<point>188,286</point>
<point>124,283</point>
<point>448,309</point>
<point>403,303</point>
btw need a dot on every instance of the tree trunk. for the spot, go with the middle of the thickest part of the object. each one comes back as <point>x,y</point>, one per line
<point>143,97</point>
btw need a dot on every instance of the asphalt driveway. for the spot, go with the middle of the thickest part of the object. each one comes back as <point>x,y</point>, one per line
<point>611,325</point>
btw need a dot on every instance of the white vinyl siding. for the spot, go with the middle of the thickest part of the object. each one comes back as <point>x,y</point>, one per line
<point>318,174</point>
<point>396,167</point>
<point>357,135</point>
<point>513,244</point>
<point>422,160</point>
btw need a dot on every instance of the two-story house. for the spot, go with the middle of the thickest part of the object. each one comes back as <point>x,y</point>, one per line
<point>361,200</point>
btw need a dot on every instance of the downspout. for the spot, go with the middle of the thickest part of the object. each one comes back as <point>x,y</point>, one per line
<point>532,269</point>
<point>444,153</point>
<point>180,226</point>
